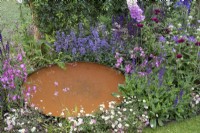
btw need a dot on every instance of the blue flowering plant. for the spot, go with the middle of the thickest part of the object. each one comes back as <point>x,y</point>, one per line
<point>96,45</point>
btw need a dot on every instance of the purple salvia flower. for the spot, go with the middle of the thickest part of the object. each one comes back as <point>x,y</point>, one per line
<point>82,50</point>
<point>1,54</point>
<point>160,76</point>
<point>175,38</point>
<point>162,39</point>
<point>181,94</point>
<point>95,33</point>
<point>74,51</point>
<point>7,48</point>
<point>192,39</point>
<point>0,37</point>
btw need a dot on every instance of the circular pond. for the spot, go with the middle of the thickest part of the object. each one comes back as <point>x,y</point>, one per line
<point>81,85</point>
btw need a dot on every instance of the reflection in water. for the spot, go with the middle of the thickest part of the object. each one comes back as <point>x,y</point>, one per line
<point>84,85</point>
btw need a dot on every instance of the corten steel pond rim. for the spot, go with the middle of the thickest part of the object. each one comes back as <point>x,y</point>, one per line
<point>46,66</point>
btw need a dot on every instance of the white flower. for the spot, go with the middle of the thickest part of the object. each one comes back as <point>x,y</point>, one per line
<point>119,125</point>
<point>21,131</point>
<point>146,107</point>
<point>112,112</point>
<point>113,125</point>
<point>179,25</point>
<point>119,119</point>
<point>106,118</point>
<point>33,129</point>
<point>190,17</point>
<point>144,101</point>
<point>19,1</point>
<point>62,114</point>
<point>124,109</point>
<point>126,125</point>
<point>60,124</point>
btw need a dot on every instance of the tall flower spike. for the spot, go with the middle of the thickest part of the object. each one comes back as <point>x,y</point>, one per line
<point>135,11</point>
<point>0,37</point>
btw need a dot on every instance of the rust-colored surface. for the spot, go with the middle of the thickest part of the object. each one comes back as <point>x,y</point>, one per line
<point>80,85</point>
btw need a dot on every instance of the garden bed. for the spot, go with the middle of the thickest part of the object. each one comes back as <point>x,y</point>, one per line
<point>154,44</point>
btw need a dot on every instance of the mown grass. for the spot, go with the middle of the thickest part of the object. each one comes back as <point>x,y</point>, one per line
<point>187,126</point>
<point>10,17</point>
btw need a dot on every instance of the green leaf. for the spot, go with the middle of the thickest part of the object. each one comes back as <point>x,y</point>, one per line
<point>115,95</point>
<point>160,123</point>
<point>153,123</point>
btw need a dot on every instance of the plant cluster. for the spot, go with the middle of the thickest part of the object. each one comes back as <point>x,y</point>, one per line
<point>12,74</point>
<point>96,45</point>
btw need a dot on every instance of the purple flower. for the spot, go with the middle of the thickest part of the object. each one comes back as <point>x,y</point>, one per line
<point>135,11</point>
<point>184,3</point>
<point>162,39</point>
<point>82,50</point>
<point>74,51</point>
<point>160,76</point>
<point>128,68</point>
<point>175,38</point>
<point>119,60</point>
<point>0,37</point>
<point>192,39</point>
<point>181,94</point>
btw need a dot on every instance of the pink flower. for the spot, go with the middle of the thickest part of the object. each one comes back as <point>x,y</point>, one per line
<point>135,11</point>
<point>56,93</point>
<point>92,121</point>
<point>22,66</point>
<point>117,65</point>
<point>128,68</point>
<point>119,60</point>
<point>56,83</point>
<point>19,57</point>
<point>66,89</point>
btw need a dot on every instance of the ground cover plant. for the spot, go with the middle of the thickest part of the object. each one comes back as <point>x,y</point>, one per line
<point>155,44</point>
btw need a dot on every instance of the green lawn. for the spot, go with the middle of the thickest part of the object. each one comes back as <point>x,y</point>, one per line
<point>187,126</point>
<point>10,17</point>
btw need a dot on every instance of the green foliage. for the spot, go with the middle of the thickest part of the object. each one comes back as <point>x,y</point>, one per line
<point>40,54</point>
<point>163,103</point>
<point>51,16</point>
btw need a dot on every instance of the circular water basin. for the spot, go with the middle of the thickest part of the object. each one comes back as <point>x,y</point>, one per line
<point>81,86</point>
